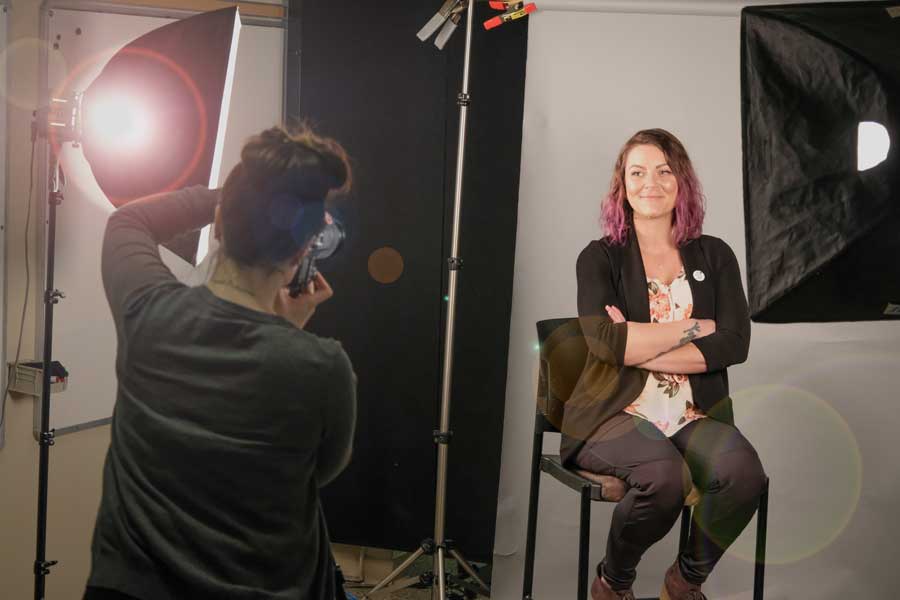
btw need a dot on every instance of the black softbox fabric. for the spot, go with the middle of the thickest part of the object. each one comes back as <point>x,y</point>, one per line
<point>823,239</point>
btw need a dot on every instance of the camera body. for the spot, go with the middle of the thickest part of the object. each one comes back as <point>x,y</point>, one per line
<point>325,244</point>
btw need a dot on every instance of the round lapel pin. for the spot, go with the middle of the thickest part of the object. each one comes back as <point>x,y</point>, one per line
<point>699,275</point>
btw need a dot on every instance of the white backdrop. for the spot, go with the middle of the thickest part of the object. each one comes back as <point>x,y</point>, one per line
<point>84,335</point>
<point>818,401</point>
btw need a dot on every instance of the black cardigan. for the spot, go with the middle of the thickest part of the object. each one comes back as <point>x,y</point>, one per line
<point>609,274</point>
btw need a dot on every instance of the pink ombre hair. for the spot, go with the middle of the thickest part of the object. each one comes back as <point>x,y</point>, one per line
<point>616,213</point>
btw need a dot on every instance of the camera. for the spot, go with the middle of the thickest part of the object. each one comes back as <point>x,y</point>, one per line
<point>325,244</point>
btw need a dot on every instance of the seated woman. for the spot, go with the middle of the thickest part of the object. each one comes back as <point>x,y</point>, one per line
<point>663,309</point>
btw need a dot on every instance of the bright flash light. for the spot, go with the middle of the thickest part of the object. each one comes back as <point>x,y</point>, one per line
<point>872,146</point>
<point>120,122</point>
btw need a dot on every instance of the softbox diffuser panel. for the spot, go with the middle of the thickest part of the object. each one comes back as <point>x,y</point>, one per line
<point>154,118</point>
<point>823,237</point>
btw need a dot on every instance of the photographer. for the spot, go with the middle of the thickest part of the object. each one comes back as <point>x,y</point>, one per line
<point>229,416</point>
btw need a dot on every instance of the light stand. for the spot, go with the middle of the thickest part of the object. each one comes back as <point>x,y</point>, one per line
<point>439,546</point>
<point>64,129</point>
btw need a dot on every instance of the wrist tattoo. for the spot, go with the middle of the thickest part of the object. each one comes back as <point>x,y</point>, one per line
<point>691,333</point>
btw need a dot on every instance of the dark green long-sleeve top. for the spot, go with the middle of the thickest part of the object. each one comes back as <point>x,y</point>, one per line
<point>227,421</point>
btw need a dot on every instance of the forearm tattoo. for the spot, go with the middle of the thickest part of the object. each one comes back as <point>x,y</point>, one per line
<point>691,333</point>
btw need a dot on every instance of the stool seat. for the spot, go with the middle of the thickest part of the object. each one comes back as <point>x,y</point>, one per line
<point>604,488</point>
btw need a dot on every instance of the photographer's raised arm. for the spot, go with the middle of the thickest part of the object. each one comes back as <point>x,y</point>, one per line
<point>130,259</point>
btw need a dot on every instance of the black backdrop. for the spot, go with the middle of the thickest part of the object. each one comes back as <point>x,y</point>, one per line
<point>362,77</point>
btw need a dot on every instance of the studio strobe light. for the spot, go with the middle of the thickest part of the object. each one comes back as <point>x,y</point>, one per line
<point>152,120</point>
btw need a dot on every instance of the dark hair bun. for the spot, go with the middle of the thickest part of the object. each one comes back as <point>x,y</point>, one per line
<point>272,200</point>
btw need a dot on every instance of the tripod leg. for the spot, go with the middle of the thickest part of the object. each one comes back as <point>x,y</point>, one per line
<point>441,575</point>
<point>469,569</point>
<point>402,584</point>
<point>393,575</point>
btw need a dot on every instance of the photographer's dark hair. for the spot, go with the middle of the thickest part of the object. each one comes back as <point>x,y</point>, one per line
<point>273,200</point>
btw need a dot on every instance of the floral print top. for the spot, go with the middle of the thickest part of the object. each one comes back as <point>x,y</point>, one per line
<point>666,400</point>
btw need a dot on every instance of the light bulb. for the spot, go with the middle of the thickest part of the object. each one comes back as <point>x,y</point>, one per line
<point>873,145</point>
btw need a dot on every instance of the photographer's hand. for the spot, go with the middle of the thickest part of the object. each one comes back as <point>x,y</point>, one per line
<point>300,309</point>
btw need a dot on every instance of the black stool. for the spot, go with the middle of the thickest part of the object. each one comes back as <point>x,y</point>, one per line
<point>559,338</point>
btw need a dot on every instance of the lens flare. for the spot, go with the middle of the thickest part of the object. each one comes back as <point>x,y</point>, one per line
<point>121,122</point>
<point>814,466</point>
<point>385,265</point>
<point>167,119</point>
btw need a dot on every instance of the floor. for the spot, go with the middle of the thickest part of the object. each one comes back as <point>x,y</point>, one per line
<point>422,565</point>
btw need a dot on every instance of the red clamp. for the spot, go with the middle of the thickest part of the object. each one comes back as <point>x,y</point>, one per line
<point>514,10</point>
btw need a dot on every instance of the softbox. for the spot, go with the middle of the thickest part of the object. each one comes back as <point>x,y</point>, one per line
<point>820,91</point>
<point>154,118</point>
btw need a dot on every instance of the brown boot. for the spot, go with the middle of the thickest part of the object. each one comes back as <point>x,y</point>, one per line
<point>600,590</point>
<point>676,587</point>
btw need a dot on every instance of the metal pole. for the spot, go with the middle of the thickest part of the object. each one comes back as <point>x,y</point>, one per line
<point>454,264</point>
<point>51,297</point>
<point>533,500</point>
<point>584,542</point>
<point>759,571</point>
<point>439,546</point>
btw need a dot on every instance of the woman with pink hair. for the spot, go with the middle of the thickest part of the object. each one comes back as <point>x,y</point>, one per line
<point>663,310</point>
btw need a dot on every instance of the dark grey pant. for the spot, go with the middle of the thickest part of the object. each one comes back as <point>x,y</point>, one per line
<point>658,470</point>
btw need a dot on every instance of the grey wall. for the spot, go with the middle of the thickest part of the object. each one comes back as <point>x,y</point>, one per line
<point>817,401</point>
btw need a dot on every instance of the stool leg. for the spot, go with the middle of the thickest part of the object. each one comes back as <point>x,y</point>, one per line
<point>584,542</point>
<point>685,528</point>
<point>533,498</point>
<point>762,516</point>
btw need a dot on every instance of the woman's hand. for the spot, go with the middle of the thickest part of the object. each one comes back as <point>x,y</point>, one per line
<point>615,314</point>
<point>300,309</point>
